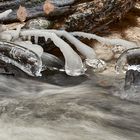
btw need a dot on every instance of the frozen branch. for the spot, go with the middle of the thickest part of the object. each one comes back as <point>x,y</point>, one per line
<point>81,47</point>
<point>73,62</point>
<point>107,41</point>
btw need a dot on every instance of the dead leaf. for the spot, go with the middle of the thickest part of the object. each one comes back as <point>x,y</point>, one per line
<point>22,13</point>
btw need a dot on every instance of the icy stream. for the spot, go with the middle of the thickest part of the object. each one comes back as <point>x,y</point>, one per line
<point>88,107</point>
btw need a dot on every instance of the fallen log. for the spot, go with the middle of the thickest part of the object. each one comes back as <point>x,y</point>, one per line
<point>76,15</point>
<point>34,9</point>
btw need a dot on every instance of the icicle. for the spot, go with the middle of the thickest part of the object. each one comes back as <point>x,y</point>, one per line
<point>24,59</point>
<point>23,38</point>
<point>46,38</point>
<point>36,39</point>
<point>73,62</point>
<point>107,41</point>
<point>29,38</point>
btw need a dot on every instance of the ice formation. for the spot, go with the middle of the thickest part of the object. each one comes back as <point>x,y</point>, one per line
<point>21,57</point>
<point>33,47</point>
<point>106,41</point>
<point>123,61</point>
<point>73,62</point>
<point>5,14</point>
<point>37,60</point>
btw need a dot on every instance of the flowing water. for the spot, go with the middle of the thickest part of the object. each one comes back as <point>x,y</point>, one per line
<point>68,108</point>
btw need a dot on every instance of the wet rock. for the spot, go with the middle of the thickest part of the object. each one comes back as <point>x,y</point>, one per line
<point>38,23</point>
<point>133,59</point>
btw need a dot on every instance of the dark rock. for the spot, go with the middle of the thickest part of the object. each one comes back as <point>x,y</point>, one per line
<point>134,58</point>
<point>132,78</point>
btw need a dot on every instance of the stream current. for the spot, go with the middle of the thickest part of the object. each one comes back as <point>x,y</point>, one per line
<point>93,106</point>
